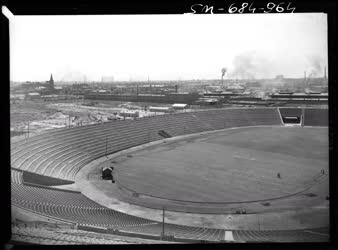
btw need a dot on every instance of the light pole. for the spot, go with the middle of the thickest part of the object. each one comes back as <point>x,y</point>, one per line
<point>162,222</point>
<point>28,130</point>
<point>106,145</point>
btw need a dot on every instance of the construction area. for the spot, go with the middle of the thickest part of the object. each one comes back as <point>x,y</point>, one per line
<point>33,116</point>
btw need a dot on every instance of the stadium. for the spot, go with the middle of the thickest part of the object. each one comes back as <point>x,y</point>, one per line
<point>218,175</point>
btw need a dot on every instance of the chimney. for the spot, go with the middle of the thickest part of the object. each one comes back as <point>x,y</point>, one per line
<point>325,73</point>
<point>304,75</point>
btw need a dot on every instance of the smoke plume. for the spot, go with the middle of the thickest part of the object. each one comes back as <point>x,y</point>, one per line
<point>315,66</point>
<point>249,65</point>
<point>73,77</point>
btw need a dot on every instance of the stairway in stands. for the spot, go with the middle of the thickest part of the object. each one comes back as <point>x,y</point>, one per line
<point>164,134</point>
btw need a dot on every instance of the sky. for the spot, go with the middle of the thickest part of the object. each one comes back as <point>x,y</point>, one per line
<point>167,47</point>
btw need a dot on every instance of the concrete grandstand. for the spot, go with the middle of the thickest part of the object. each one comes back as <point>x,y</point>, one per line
<point>45,163</point>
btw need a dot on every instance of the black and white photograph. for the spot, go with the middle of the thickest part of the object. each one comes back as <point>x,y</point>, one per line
<point>169,129</point>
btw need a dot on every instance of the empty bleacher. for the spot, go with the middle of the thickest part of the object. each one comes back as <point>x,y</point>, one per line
<point>70,206</point>
<point>45,234</point>
<point>76,208</point>
<point>33,178</point>
<point>62,153</point>
<point>55,157</point>
<point>316,117</point>
<point>16,176</point>
<point>282,235</point>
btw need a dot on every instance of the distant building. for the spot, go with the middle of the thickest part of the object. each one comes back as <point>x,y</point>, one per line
<point>179,106</point>
<point>311,97</point>
<point>42,88</point>
<point>51,81</point>
<point>253,85</point>
<point>208,101</point>
<point>160,109</point>
<point>107,79</point>
<point>33,95</point>
<point>127,113</point>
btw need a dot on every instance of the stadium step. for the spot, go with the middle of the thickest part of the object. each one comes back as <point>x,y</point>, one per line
<point>228,236</point>
<point>164,134</point>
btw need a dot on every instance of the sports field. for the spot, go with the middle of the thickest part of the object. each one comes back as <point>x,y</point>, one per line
<point>232,166</point>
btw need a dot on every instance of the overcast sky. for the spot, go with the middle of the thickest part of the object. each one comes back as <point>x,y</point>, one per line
<point>167,47</point>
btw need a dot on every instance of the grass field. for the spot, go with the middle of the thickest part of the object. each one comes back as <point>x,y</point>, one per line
<point>238,165</point>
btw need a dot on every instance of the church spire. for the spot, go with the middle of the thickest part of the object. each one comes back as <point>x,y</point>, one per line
<point>51,81</point>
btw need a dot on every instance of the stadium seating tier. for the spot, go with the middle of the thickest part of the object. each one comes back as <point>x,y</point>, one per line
<point>61,153</point>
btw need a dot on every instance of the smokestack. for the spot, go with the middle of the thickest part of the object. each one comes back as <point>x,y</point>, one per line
<point>324,73</point>
<point>304,75</point>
